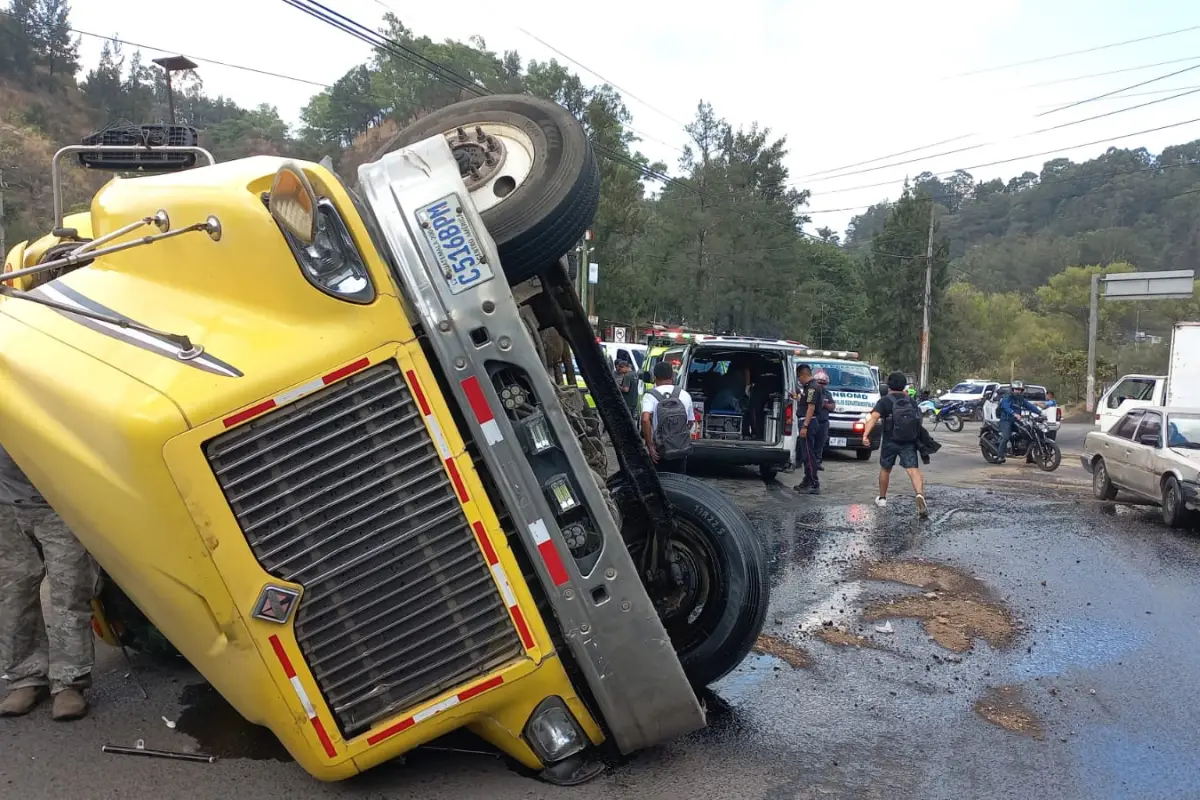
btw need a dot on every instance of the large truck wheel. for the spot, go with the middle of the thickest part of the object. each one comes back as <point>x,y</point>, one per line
<point>717,611</point>
<point>529,168</point>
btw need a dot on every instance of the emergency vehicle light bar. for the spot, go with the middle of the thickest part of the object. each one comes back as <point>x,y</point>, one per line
<point>847,354</point>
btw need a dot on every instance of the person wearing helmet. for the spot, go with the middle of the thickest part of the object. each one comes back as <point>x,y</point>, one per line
<point>1012,404</point>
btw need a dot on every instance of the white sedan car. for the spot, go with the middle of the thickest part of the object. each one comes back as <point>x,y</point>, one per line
<point>1152,453</point>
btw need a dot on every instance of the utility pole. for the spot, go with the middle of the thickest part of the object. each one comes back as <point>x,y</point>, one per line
<point>3,243</point>
<point>923,377</point>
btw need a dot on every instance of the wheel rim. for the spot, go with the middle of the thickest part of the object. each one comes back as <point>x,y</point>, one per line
<point>691,612</point>
<point>494,159</point>
<point>1100,478</point>
<point>1169,503</point>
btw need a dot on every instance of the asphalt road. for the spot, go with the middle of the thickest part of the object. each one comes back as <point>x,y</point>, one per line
<point>1025,641</point>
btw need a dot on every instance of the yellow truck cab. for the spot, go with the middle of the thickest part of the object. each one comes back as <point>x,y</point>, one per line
<point>305,429</point>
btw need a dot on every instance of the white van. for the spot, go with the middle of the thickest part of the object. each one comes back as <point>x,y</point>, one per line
<point>741,390</point>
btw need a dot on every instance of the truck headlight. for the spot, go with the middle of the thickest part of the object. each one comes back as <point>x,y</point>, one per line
<point>562,496</point>
<point>331,262</point>
<point>538,438</point>
<point>552,732</point>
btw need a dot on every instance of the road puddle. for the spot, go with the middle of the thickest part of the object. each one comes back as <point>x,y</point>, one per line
<point>785,651</point>
<point>221,731</point>
<point>955,608</point>
<point>1005,706</point>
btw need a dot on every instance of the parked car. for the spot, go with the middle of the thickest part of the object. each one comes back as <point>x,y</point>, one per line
<point>1152,453</point>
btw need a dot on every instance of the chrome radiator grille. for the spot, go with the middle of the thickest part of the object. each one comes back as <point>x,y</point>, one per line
<point>344,493</point>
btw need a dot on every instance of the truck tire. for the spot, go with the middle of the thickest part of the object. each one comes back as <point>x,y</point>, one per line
<point>720,551</point>
<point>541,193</point>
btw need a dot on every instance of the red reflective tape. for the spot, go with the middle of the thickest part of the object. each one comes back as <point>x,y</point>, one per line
<point>485,544</point>
<point>416,389</point>
<point>478,689</point>
<point>554,564</point>
<point>252,411</point>
<point>522,627</point>
<point>390,731</point>
<point>456,479</point>
<point>326,742</point>
<point>479,404</point>
<point>282,655</point>
<point>349,369</point>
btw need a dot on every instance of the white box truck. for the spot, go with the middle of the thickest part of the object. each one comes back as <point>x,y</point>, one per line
<point>1179,387</point>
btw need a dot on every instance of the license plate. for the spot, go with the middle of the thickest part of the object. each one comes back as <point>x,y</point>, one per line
<point>837,441</point>
<point>460,258</point>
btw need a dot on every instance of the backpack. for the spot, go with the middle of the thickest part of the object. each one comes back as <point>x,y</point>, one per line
<point>906,419</point>
<point>673,432</point>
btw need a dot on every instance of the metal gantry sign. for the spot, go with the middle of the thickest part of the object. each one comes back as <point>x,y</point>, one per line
<point>1170,285</point>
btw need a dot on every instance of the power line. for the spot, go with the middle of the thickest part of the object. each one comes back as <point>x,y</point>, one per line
<point>1027,134</point>
<point>1018,158</point>
<point>613,84</point>
<point>204,59</point>
<point>1056,56</point>
<point>1057,81</point>
<point>1119,91</point>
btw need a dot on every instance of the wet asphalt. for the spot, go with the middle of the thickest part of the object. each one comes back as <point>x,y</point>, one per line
<point>1087,689</point>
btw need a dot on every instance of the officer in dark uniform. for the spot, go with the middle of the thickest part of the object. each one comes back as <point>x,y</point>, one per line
<point>809,401</point>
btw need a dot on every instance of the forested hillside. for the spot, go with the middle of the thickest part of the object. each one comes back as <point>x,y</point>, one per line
<point>723,243</point>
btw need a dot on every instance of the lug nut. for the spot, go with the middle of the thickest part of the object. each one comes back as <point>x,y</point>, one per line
<point>462,134</point>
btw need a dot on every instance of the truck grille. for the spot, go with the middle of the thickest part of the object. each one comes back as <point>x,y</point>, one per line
<point>344,493</point>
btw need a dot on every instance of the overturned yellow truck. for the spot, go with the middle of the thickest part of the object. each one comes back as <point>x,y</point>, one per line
<point>305,430</point>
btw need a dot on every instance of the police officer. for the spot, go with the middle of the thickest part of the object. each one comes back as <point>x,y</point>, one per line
<point>822,416</point>
<point>809,400</point>
<point>37,653</point>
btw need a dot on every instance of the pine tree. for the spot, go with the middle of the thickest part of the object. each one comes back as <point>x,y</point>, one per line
<point>57,46</point>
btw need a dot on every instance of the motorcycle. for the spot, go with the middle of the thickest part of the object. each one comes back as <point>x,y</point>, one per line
<point>951,415</point>
<point>1028,439</point>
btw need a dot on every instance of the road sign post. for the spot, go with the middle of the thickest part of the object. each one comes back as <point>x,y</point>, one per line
<point>1170,285</point>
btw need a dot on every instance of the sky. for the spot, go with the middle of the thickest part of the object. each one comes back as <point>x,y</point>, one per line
<point>846,82</point>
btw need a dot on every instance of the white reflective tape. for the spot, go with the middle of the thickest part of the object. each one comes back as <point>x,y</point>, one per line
<point>435,709</point>
<point>510,599</point>
<point>439,440</point>
<point>303,695</point>
<point>540,534</point>
<point>298,392</point>
<point>491,432</point>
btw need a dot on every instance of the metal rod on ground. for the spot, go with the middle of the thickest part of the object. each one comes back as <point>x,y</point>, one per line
<point>136,751</point>
<point>1093,325</point>
<point>923,378</point>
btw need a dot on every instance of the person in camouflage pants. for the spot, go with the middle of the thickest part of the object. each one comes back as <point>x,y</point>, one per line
<point>37,652</point>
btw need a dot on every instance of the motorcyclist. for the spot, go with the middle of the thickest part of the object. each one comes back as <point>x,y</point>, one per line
<point>1011,404</point>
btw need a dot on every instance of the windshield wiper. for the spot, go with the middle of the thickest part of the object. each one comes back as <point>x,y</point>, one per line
<point>187,349</point>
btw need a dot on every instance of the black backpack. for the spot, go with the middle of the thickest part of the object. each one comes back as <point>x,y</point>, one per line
<point>906,419</point>
<point>673,432</point>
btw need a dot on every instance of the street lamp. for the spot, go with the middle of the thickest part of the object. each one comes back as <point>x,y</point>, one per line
<point>174,64</point>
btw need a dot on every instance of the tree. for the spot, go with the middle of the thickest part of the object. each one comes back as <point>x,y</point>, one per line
<point>56,45</point>
<point>103,88</point>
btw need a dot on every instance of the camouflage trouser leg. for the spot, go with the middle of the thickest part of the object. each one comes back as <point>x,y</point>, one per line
<point>55,649</point>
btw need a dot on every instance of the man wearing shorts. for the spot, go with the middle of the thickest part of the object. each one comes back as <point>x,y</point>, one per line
<point>897,410</point>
